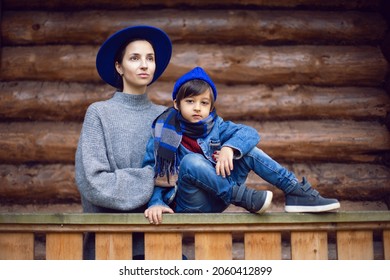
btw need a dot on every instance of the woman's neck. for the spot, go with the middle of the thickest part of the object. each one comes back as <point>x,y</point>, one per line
<point>134,90</point>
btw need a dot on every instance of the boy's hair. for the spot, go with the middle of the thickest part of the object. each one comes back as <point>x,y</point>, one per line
<point>193,88</point>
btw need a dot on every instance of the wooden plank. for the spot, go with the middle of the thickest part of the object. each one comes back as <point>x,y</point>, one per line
<point>381,218</point>
<point>386,244</point>
<point>355,245</point>
<point>213,246</point>
<point>16,246</point>
<point>295,138</point>
<point>163,246</point>
<point>113,246</point>
<point>309,245</point>
<point>64,246</point>
<point>195,227</point>
<point>263,246</point>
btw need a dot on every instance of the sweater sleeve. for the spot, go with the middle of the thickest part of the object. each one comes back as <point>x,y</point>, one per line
<point>100,182</point>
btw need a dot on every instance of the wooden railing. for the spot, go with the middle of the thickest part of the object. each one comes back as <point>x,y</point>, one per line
<point>308,235</point>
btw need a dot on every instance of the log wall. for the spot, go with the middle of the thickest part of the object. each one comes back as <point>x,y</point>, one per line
<point>311,76</point>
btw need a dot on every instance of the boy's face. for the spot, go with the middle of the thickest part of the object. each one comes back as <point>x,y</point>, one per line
<point>195,108</point>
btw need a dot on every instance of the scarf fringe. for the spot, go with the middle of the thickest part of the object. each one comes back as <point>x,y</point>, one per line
<point>165,167</point>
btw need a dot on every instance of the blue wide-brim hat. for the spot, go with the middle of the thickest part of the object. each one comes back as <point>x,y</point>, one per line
<point>105,58</point>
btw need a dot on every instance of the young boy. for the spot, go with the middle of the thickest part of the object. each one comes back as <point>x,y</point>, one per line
<point>212,159</point>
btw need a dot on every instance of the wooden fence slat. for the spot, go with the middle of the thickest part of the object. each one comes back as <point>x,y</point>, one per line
<point>309,245</point>
<point>263,246</point>
<point>213,246</point>
<point>386,244</point>
<point>113,246</point>
<point>163,246</point>
<point>355,245</point>
<point>64,246</point>
<point>16,246</point>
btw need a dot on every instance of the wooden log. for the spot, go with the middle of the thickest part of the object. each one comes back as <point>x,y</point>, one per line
<point>355,182</point>
<point>45,63</point>
<point>334,141</point>
<point>337,141</point>
<point>277,206</point>
<point>208,26</point>
<point>124,4</point>
<point>312,65</point>
<point>40,184</point>
<point>38,141</point>
<point>57,101</point>
<point>55,184</point>
<point>49,101</point>
<point>261,102</point>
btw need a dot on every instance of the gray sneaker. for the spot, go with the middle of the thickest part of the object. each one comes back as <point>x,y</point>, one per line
<point>250,199</point>
<point>307,199</point>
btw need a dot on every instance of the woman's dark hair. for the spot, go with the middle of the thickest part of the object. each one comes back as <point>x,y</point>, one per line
<point>121,53</point>
<point>193,88</point>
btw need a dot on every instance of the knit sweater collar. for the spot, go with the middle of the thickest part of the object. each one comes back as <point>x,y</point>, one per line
<point>136,101</point>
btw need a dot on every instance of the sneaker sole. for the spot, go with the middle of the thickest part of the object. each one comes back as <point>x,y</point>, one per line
<point>318,208</point>
<point>267,203</point>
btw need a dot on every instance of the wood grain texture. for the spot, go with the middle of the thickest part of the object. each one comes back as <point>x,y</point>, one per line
<point>278,65</point>
<point>121,4</point>
<point>59,101</point>
<point>227,26</point>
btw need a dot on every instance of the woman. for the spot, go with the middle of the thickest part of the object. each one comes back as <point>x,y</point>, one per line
<point>108,163</point>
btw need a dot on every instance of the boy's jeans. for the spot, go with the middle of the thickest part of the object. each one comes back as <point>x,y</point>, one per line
<point>201,190</point>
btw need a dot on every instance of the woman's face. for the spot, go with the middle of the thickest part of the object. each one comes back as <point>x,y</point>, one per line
<point>137,67</point>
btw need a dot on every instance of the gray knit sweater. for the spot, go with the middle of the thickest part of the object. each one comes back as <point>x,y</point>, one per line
<point>111,148</point>
<point>110,152</point>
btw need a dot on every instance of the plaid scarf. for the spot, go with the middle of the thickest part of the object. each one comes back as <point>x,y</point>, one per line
<point>168,129</point>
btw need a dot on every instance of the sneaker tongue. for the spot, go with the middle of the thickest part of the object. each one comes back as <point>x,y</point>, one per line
<point>305,185</point>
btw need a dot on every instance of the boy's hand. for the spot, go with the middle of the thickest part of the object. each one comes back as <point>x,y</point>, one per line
<point>154,213</point>
<point>224,161</point>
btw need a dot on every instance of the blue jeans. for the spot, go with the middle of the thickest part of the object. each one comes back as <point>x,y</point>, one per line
<point>201,190</point>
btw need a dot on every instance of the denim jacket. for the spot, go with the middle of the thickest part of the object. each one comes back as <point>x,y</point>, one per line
<point>240,137</point>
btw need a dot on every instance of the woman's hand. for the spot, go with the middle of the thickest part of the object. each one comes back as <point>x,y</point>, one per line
<point>224,161</point>
<point>154,213</point>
